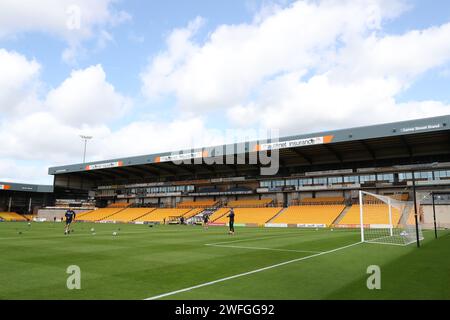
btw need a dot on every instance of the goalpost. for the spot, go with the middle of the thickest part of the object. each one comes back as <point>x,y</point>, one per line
<point>388,220</point>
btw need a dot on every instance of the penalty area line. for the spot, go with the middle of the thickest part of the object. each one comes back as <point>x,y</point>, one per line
<point>249,273</point>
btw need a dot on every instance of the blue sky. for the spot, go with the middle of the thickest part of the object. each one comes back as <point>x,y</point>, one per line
<point>425,14</point>
<point>148,76</point>
<point>153,20</point>
<point>134,41</point>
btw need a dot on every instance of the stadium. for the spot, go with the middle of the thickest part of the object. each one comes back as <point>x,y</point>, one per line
<point>337,203</point>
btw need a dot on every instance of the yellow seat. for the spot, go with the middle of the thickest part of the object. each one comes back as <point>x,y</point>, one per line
<point>323,200</point>
<point>129,214</point>
<point>192,212</point>
<point>251,215</point>
<point>218,213</point>
<point>99,214</point>
<point>252,203</point>
<point>373,214</point>
<point>161,215</point>
<point>12,216</point>
<point>197,204</point>
<point>310,214</point>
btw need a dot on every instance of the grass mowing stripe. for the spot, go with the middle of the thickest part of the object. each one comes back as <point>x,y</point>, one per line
<point>249,272</point>
<point>163,259</point>
<point>260,248</point>
<point>251,239</point>
<point>277,234</point>
<point>69,236</point>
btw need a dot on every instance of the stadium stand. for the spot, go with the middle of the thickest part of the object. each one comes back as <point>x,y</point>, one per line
<point>99,214</point>
<point>198,204</point>
<point>129,214</point>
<point>310,214</point>
<point>163,214</point>
<point>12,216</point>
<point>254,203</point>
<point>218,213</point>
<point>373,214</point>
<point>82,214</point>
<point>193,212</point>
<point>312,172</point>
<point>251,215</point>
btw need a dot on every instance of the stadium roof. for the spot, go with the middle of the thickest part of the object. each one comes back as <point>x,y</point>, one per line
<point>425,139</point>
<point>10,186</point>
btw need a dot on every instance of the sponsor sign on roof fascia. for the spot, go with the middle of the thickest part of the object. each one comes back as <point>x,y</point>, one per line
<point>420,128</point>
<point>182,156</point>
<point>294,143</point>
<point>104,165</point>
<point>5,187</point>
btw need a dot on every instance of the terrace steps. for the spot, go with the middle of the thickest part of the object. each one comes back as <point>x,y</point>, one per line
<point>275,216</point>
<point>341,215</point>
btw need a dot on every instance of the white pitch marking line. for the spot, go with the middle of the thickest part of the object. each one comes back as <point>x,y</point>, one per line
<point>259,248</point>
<point>248,273</point>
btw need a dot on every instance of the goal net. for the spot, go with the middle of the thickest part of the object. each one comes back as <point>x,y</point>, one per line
<point>389,219</point>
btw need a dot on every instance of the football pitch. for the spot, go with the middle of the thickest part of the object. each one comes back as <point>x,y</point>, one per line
<point>188,262</point>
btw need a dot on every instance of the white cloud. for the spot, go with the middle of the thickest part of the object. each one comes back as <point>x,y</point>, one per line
<point>401,56</point>
<point>47,128</point>
<point>144,137</point>
<point>237,58</point>
<point>360,89</point>
<point>322,104</point>
<point>23,172</point>
<point>43,139</point>
<point>313,64</point>
<point>48,131</point>
<point>41,135</point>
<point>74,21</point>
<point>17,82</point>
<point>86,98</point>
<point>156,78</point>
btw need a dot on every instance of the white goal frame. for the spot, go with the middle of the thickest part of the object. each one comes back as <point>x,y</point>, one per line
<point>394,233</point>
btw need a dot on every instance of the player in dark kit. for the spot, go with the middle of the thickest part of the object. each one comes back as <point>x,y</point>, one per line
<point>70,216</point>
<point>231,222</point>
<point>205,221</point>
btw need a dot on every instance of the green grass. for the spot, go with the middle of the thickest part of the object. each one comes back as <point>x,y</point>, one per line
<point>143,262</point>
